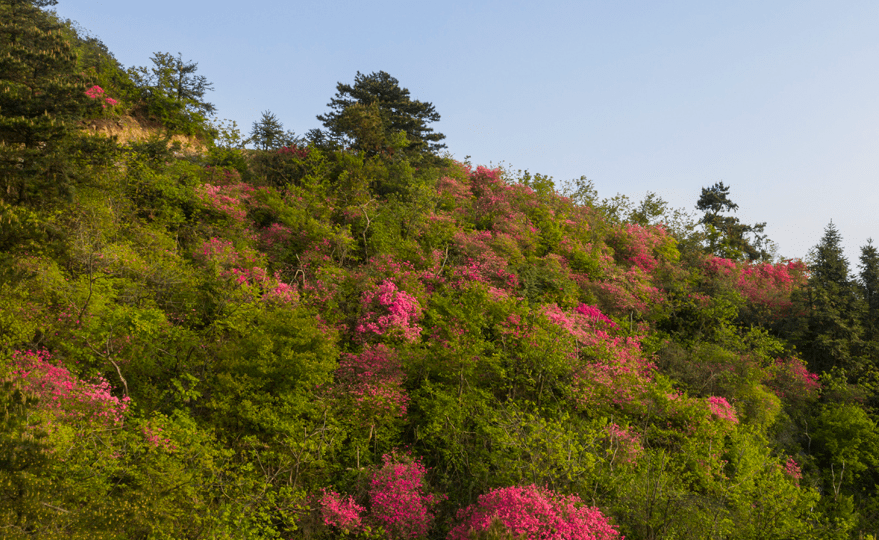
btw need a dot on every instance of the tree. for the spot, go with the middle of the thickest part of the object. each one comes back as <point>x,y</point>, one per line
<point>268,133</point>
<point>727,237</point>
<point>370,115</point>
<point>869,284</point>
<point>171,77</point>
<point>834,310</point>
<point>41,95</point>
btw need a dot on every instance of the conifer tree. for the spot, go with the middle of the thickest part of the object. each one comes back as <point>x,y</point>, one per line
<point>833,329</point>
<point>268,133</point>
<point>41,95</point>
<point>172,77</point>
<point>371,113</point>
<point>726,236</point>
<point>869,282</point>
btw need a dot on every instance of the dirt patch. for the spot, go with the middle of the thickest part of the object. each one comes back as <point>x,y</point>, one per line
<point>130,129</point>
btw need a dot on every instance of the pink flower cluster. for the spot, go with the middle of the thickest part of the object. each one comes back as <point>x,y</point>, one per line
<point>592,312</point>
<point>609,368</point>
<point>398,500</point>
<point>374,379</point>
<point>792,469</point>
<point>230,200</point>
<point>637,245</point>
<point>294,151</point>
<point>721,408</point>
<point>763,284</point>
<point>96,92</point>
<point>625,444</point>
<point>341,513</point>
<point>792,380</point>
<point>65,395</point>
<point>534,513</point>
<point>390,312</point>
<point>154,437</point>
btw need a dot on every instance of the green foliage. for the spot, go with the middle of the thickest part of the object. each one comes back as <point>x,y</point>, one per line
<point>268,133</point>
<point>278,320</point>
<point>370,116</point>
<point>725,236</point>
<point>41,96</point>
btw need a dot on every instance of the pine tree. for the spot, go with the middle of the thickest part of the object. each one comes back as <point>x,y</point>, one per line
<point>726,236</point>
<point>869,283</point>
<point>833,330</point>
<point>41,95</point>
<point>173,78</point>
<point>268,133</point>
<point>373,112</point>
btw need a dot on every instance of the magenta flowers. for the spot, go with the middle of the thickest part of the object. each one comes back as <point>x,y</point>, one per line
<point>97,93</point>
<point>390,312</point>
<point>398,499</point>
<point>534,513</point>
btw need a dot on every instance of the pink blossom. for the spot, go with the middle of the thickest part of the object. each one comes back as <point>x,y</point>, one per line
<point>534,513</point>
<point>95,92</point>
<point>398,500</point>
<point>721,408</point>
<point>65,395</point>
<point>338,512</point>
<point>389,311</point>
<point>792,469</point>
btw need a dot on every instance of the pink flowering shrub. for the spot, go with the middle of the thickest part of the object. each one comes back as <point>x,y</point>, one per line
<point>592,312</point>
<point>398,501</point>
<point>343,514</point>
<point>624,444</point>
<point>792,469</point>
<point>791,380</point>
<point>721,408</point>
<point>641,247</point>
<point>767,287</point>
<point>374,379</point>
<point>63,394</point>
<point>534,513</point>
<point>225,255</point>
<point>154,436</point>
<point>230,200</point>
<point>97,93</point>
<point>609,369</point>
<point>293,151</point>
<point>387,311</point>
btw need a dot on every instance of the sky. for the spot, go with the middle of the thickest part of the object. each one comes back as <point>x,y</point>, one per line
<point>777,99</point>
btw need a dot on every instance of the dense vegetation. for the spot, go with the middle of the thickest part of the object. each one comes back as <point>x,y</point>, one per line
<point>351,335</point>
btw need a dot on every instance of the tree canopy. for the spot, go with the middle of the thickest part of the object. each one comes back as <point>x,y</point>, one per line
<point>370,114</point>
<point>727,236</point>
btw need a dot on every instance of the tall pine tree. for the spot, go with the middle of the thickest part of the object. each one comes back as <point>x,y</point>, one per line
<point>41,95</point>
<point>370,115</point>
<point>726,236</point>
<point>832,332</point>
<point>869,283</point>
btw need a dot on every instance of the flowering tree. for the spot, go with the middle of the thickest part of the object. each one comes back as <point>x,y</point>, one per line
<point>63,394</point>
<point>533,513</point>
<point>398,501</point>
<point>389,312</point>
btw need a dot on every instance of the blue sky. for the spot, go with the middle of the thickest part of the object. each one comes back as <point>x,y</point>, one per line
<point>778,99</point>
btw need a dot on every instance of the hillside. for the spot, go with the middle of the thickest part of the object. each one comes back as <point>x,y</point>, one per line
<point>375,340</point>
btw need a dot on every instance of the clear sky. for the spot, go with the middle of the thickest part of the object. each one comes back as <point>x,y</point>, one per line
<point>778,99</point>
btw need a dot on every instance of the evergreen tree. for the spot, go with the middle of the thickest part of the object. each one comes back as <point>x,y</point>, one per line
<point>171,77</point>
<point>869,282</point>
<point>268,133</point>
<point>41,95</point>
<point>833,330</point>
<point>726,236</point>
<point>370,115</point>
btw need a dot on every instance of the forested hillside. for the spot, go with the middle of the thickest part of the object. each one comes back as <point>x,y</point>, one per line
<point>352,334</point>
